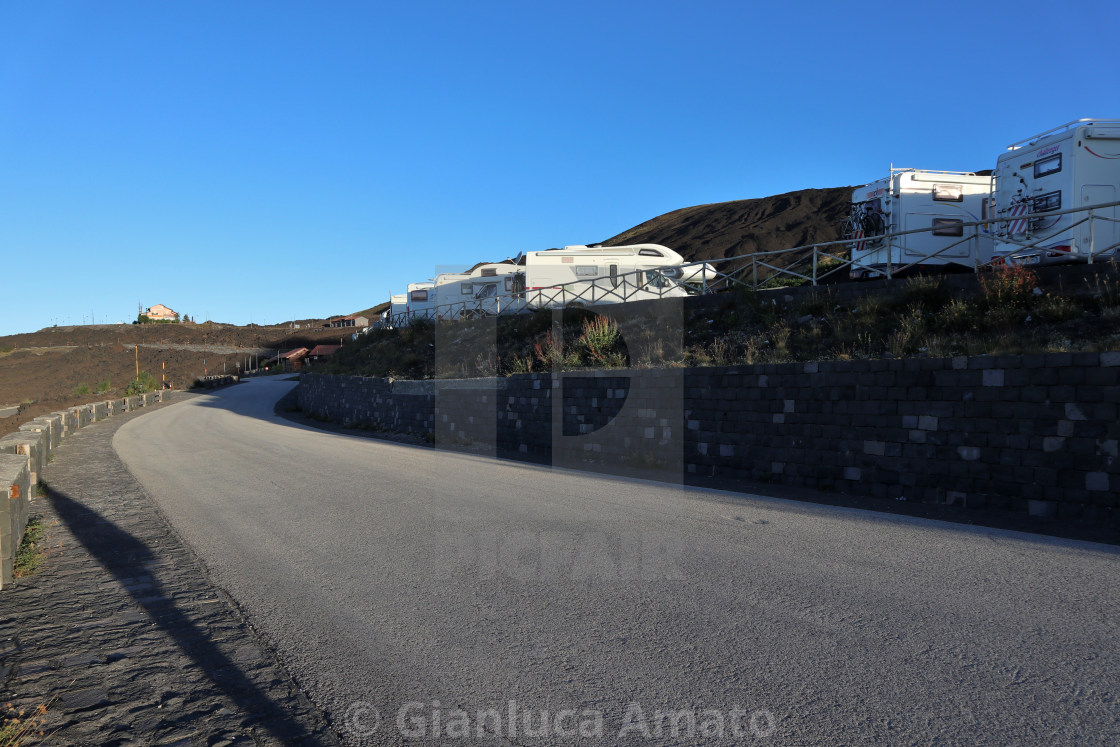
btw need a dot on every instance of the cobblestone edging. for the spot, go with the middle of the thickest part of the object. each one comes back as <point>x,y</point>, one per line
<point>122,635</point>
<point>1034,437</point>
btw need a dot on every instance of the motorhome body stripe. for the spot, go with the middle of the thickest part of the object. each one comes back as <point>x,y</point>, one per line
<point>1098,155</point>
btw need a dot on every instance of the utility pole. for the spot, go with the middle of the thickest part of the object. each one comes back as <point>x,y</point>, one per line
<point>137,349</point>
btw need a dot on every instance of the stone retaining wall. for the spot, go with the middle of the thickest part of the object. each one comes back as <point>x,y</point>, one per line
<point>23,455</point>
<point>1030,435</point>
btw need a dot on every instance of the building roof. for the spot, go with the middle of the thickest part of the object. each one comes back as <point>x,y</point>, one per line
<point>324,349</point>
<point>294,354</point>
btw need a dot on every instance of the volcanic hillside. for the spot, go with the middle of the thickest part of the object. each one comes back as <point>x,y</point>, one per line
<point>729,229</point>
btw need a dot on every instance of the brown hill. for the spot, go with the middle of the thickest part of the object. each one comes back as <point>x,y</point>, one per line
<point>729,229</point>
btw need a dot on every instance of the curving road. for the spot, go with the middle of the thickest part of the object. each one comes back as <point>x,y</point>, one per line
<point>411,592</point>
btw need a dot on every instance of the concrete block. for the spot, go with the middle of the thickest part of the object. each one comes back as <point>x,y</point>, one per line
<point>1096,481</point>
<point>32,446</point>
<point>852,473</point>
<point>875,448</point>
<point>788,405</point>
<point>1073,412</point>
<point>1065,428</point>
<point>969,453</point>
<point>1042,509</point>
<point>726,450</point>
<point>993,377</point>
<point>1110,359</point>
<point>1053,443</point>
<point>15,492</point>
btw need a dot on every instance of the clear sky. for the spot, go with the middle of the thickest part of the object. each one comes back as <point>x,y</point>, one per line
<point>263,161</point>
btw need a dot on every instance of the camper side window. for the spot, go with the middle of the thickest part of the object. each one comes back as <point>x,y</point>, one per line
<point>948,193</point>
<point>1047,166</point>
<point>650,253</point>
<point>418,295</point>
<point>948,227</point>
<point>489,272</point>
<point>1047,202</point>
<point>587,270</point>
<point>466,289</point>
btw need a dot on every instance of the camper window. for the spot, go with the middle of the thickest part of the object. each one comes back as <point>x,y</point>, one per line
<point>650,253</point>
<point>489,272</point>
<point>1047,202</point>
<point>586,270</point>
<point>421,295</point>
<point>466,289</point>
<point>654,279</point>
<point>948,227</point>
<point>488,291</point>
<point>1047,166</point>
<point>948,193</point>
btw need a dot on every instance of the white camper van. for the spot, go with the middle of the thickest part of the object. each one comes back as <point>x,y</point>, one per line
<point>1076,165</point>
<point>484,290</point>
<point>590,275</point>
<point>398,309</point>
<point>419,301</point>
<point>935,204</point>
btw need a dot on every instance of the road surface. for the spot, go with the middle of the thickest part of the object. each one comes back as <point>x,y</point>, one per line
<point>423,595</point>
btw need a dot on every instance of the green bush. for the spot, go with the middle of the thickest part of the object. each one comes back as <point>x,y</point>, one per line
<point>143,384</point>
<point>103,386</point>
<point>81,390</point>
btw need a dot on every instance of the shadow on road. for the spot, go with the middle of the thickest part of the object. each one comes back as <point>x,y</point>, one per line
<point>124,556</point>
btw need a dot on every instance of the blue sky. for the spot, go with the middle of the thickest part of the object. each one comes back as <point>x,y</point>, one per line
<point>273,160</point>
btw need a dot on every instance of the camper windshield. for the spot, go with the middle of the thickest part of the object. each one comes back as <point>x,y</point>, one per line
<point>654,279</point>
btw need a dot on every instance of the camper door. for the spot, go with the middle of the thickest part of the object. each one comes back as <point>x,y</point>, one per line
<point>1101,234</point>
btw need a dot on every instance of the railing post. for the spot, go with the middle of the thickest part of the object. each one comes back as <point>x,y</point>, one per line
<point>1092,236</point>
<point>814,265</point>
<point>754,269</point>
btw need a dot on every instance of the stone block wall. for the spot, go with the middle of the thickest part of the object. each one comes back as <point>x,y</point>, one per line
<point>1032,435</point>
<point>22,457</point>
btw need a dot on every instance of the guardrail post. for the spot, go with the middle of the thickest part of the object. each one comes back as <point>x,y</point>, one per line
<point>814,265</point>
<point>1092,236</point>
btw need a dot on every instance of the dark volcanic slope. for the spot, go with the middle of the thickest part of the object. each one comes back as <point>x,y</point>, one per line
<point>728,229</point>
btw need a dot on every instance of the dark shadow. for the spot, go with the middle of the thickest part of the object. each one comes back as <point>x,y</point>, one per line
<point>123,555</point>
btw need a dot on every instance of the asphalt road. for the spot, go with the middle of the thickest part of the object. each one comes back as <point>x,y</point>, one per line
<point>413,591</point>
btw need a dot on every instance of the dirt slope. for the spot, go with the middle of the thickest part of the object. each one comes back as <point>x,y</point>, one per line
<point>728,229</point>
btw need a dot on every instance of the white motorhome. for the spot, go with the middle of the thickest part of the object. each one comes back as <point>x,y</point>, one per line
<point>934,204</point>
<point>478,292</point>
<point>419,300</point>
<point>590,275</point>
<point>1073,166</point>
<point>398,308</point>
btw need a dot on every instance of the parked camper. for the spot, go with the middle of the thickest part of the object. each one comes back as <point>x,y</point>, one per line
<point>491,287</point>
<point>419,301</point>
<point>936,204</point>
<point>590,275</point>
<point>398,309</point>
<point>1075,165</point>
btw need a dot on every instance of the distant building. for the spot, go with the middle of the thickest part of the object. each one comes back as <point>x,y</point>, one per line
<point>159,312</point>
<point>322,351</point>
<point>289,361</point>
<point>350,321</point>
